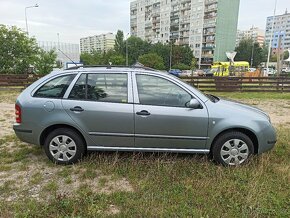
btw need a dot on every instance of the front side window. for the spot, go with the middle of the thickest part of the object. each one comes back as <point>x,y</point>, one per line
<point>101,87</point>
<point>154,90</point>
<point>55,88</point>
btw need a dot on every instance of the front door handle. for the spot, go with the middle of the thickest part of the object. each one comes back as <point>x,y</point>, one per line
<point>143,113</point>
<point>77,109</point>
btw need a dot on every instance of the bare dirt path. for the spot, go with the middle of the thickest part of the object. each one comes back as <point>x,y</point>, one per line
<point>6,119</point>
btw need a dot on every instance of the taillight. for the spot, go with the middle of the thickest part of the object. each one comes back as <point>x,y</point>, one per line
<point>18,113</point>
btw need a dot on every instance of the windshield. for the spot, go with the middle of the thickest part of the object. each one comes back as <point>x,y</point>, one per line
<point>212,98</point>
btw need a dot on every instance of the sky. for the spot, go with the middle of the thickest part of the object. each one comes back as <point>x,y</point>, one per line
<point>74,19</point>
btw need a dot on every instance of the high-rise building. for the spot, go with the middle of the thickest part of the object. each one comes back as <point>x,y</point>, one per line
<point>103,42</point>
<point>280,31</point>
<point>255,33</point>
<point>208,26</point>
<point>66,52</point>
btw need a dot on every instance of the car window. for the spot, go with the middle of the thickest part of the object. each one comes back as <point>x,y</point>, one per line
<point>101,87</point>
<point>55,88</point>
<point>79,89</point>
<point>154,90</point>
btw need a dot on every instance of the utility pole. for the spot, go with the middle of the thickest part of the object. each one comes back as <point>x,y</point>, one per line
<point>170,57</point>
<point>252,55</point>
<point>279,54</point>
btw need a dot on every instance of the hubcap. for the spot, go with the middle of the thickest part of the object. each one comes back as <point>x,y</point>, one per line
<point>234,152</point>
<point>62,148</point>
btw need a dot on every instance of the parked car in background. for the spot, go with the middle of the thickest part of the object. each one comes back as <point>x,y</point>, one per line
<point>252,69</point>
<point>135,109</point>
<point>286,70</point>
<point>187,73</point>
<point>208,72</point>
<point>269,71</point>
<point>175,72</point>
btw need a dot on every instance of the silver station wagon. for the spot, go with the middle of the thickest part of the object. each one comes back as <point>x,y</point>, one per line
<point>136,109</point>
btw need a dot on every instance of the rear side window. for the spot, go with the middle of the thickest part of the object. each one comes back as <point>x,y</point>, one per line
<point>101,87</point>
<point>55,88</point>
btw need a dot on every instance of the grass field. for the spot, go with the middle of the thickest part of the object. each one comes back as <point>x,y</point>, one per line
<point>145,184</point>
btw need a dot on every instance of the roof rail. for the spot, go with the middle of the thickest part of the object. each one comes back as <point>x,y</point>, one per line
<point>111,66</point>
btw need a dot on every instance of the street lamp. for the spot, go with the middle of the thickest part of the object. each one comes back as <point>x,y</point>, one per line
<point>34,6</point>
<point>271,37</point>
<point>127,59</point>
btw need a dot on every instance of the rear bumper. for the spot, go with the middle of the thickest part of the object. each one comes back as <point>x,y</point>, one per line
<point>25,135</point>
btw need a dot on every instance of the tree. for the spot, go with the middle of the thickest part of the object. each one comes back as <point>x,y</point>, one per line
<point>119,42</point>
<point>152,60</point>
<point>113,57</point>
<point>244,52</point>
<point>162,50</point>
<point>95,58</point>
<point>136,48</point>
<point>17,50</point>
<point>45,61</point>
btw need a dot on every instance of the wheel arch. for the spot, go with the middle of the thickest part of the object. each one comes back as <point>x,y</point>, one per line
<point>247,132</point>
<point>48,129</point>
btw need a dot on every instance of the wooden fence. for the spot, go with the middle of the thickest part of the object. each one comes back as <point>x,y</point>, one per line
<point>17,80</point>
<point>240,84</point>
<point>210,84</point>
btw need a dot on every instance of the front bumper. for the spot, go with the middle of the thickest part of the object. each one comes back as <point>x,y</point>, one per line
<point>268,139</point>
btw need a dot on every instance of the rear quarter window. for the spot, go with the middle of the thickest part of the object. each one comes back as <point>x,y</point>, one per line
<point>55,88</point>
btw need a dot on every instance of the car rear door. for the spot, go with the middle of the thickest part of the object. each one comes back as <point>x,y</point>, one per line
<point>161,118</point>
<point>101,105</point>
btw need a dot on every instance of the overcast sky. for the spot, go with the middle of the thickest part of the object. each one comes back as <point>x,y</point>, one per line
<point>74,19</point>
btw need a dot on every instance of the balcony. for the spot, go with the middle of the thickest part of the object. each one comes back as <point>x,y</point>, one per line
<point>186,21</point>
<point>207,47</point>
<point>157,20</point>
<point>210,9</point>
<point>156,27</point>
<point>207,55</point>
<point>209,33</point>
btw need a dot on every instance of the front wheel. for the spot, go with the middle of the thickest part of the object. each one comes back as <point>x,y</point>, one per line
<point>64,146</point>
<point>232,149</point>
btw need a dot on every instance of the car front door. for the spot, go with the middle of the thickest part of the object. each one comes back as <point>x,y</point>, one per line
<point>162,119</point>
<point>99,103</point>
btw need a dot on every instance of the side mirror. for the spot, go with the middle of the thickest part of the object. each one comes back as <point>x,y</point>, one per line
<point>194,104</point>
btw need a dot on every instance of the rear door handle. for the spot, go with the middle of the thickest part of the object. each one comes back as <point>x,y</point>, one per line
<point>77,109</point>
<point>143,113</point>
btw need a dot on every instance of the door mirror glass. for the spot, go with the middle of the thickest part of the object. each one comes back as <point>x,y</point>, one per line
<point>193,103</point>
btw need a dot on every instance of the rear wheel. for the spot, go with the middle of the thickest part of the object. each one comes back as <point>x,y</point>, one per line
<point>232,149</point>
<point>64,146</point>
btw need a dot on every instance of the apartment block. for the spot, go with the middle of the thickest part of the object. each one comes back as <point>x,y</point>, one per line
<point>281,29</point>
<point>208,26</point>
<point>255,33</point>
<point>102,43</point>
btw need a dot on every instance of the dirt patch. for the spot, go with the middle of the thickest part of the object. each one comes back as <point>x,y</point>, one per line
<point>6,119</point>
<point>278,110</point>
<point>41,182</point>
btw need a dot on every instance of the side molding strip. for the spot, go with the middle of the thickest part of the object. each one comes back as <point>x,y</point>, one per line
<point>103,148</point>
<point>147,136</point>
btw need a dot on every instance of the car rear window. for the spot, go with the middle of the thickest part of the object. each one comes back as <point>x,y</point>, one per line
<point>55,88</point>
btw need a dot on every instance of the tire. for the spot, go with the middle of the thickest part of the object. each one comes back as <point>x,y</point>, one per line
<point>64,146</point>
<point>232,149</point>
